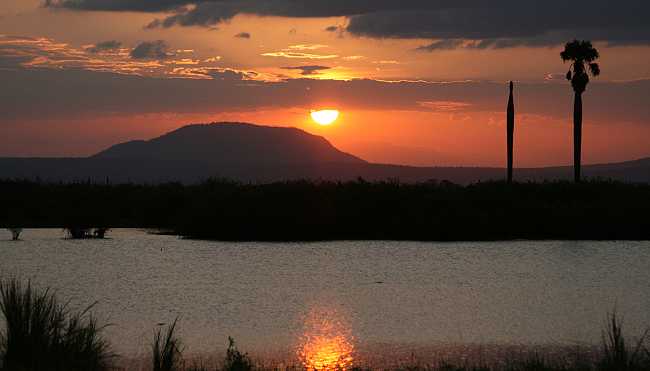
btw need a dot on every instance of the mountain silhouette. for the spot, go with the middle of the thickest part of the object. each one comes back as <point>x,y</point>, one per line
<point>252,153</point>
<point>233,144</point>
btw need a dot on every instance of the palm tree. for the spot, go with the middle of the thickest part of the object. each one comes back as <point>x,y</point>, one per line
<point>582,56</point>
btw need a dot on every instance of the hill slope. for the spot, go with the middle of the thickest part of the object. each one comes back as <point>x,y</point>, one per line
<point>253,153</point>
<point>233,144</point>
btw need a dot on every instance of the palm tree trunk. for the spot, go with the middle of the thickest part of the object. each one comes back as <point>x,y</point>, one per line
<point>510,134</point>
<point>577,135</point>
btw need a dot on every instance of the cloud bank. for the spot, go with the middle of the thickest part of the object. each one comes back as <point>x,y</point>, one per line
<point>308,70</point>
<point>492,24</point>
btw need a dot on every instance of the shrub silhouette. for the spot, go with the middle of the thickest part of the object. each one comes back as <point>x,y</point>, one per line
<point>15,233</point>
<point>235,360</point>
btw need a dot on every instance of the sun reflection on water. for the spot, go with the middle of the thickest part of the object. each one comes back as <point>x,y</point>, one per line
<point>326,342</point>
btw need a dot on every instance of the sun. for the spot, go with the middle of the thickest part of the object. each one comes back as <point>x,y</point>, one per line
<point>325,117</point>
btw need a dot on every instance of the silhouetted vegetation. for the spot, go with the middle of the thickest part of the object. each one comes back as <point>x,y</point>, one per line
<point>15,233</point>
<point>166,350</point>
<point>236,360</point>
<point>79,233</point>
<point>510,128</point>
<point>582,56</point>
<point>305,210</point>
<point>614,355</point>
<point>617,354</point>
<point>40,333</point>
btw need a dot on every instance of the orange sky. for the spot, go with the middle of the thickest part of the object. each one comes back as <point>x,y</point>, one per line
<point>424,126</point>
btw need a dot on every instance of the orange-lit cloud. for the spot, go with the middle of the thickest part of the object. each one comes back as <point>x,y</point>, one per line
<point>297,55</point>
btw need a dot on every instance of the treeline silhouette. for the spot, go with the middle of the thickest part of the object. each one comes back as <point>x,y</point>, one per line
<point>305,210</point>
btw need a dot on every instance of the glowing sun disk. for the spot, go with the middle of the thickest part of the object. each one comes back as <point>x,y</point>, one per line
<point>325,117</point>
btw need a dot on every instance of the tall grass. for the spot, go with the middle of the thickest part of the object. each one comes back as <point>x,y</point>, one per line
<point>617,354</point>
<point>166,350</point>
<point>43,334</point>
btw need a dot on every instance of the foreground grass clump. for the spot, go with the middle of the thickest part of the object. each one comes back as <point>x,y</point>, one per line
<point>166,350</point>
<point>167,354</point>
<point>617,354</point>
<point>43,334</point>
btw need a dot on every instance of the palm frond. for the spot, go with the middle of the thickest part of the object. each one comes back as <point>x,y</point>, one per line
<point>594,68</point>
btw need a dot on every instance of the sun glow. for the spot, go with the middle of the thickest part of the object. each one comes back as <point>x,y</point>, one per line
<point>325,117</point>
<point>326,343</point>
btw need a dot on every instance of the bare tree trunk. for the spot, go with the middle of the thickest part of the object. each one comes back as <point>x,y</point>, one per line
<point>577,135</point>
<point>511,132</point>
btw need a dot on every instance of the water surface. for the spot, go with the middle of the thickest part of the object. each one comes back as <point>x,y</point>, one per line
<point>403,294</point>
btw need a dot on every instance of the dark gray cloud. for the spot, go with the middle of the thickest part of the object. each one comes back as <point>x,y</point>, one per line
<point>206,14</point>
<point>522,23</point>
<point>503,23</point>
<point>104,46</point>
<point>117,5</point>
<point>243,35</point>
<point>448,44</point>
<point>289,8</point>
<point>308,70</point>
<point>151,50</point>
<point>229,90</point>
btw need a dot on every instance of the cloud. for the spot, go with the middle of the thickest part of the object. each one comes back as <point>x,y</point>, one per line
<point>33,70</point>
<point>503,23</point>
<point>105,93</point>
<point>509,23</point>
<point>308,70</point>
<point>151,50</point>
<point>104,46</point>
<point>445,106</point>
<point>297,55</point>
<point>449,44</point>
<point>43,53</point>
<point>243,35</point>
<point>205,14</point>
<point>307,47</point>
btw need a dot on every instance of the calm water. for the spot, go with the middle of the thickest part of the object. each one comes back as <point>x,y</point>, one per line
<point>396,293</point>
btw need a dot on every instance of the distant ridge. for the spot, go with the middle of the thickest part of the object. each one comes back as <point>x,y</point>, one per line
<point>233,143</point>
<point>253,153</point>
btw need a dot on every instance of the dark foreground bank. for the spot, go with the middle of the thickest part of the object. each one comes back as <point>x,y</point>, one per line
<point>40,332</point>
<point>360,210</point>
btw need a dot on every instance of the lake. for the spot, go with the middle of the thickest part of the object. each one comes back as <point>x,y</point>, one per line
<point>405,295</point>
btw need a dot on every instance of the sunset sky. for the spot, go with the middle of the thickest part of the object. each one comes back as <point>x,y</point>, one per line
<point>421,82</point>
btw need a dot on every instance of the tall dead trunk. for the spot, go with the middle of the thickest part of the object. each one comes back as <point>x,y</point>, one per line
<point>510,132</point>
<point>577,136</point>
